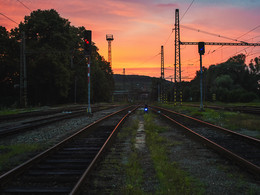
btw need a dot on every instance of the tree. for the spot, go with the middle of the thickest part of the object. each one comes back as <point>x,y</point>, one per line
<point>231,81</point>
<point>48,44</point>
<point>9,68</point>
<point>55,61</point>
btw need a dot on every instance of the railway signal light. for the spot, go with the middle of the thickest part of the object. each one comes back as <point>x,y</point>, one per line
<point>201,48</point>
<point>87,41</point>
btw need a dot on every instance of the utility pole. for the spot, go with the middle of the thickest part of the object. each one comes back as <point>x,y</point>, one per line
<point>201,52</point>
<point>162,62</point>
<point>124,88</point>
<point>177,64</point>
<point>23,73</point>
<point>75,79</point>
<point>162,76</point>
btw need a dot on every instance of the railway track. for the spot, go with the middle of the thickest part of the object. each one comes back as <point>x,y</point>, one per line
<point>243,150</point>
<point>62,168</point>
<point>50,111</point>
<point>22,126</point>
<point>243,109</point>
<point>40,113</point>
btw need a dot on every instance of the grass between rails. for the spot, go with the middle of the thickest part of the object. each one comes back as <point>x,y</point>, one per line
<point>13,154</point>
<point>10,111</point>
<point>133,169</point>
<point>173,180</point>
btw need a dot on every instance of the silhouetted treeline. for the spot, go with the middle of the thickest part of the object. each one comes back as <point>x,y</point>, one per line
<point>231,81</point>
<point>55,62</point>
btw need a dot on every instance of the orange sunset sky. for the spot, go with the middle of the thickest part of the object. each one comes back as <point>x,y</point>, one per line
<point>140,27</point>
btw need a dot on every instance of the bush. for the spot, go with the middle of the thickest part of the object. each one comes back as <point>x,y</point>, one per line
<point>248,97</point>
<point>235,95</point>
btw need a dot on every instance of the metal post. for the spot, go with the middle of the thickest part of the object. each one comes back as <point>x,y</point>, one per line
<point>89,107</point>
<point>162,62</point>
<point>75,80</point>
<point>162,75</point>
<point>25,72</point>
<point>159,98</point>
<point>201,90</point>
<point>75,91</point>
<point>21,72</point>
<point>177,64</point>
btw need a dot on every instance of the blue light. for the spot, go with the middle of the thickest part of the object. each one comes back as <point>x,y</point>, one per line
<point>145,109</point>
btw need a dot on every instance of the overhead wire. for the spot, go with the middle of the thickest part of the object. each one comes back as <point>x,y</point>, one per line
<point>244,49</point>
<point>9,18</point>
<point>245,41</point>
<point>168,37</point>
<point>187,10</point>
<point>225,38</point>
<point>209,33</point>
<point>249,31</point>
<point>12,19</point>
<point>24,5</point>
<point>149,59</point>
<point>240,37</point>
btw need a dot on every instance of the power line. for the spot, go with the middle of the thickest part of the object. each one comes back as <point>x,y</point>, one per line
<point>24,5</point>
<point>168,37</point>
<point>9,18</point>
<point>149,59</point>
<point>187,9</point>
<point>222,37</point>
<point>249,31</point>
<point>209,33</point>
<point>239,37</point>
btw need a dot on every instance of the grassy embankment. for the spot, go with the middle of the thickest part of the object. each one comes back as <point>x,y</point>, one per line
<point>231,120</point>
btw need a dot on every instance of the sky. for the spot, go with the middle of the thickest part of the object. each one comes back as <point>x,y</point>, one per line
<point>141,27</point>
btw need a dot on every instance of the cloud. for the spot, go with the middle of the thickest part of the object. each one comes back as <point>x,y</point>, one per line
<point>167,5</point>
<point>141,26</point>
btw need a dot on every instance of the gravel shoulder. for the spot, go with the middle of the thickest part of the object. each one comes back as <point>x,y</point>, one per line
<point>217,174</point>
<point>45,137</point>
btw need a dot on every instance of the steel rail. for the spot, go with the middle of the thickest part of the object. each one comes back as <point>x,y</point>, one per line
<point>28,125</point>
<point>50,111</point>
<point>245,109</point>
<point>101,151</point>
<point>227,153</point>
<point>211,125</point>
<point>39,113</point>
<point>19,169</point>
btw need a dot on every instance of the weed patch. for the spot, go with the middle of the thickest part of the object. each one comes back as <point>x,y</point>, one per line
<point>173,180</point>
<point>133,169</point>
<point>231,120</point>
<point>11,155</point>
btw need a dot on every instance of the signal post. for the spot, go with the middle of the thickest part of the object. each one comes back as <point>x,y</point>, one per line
<point>88,50</point>
<point>201,52</point>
